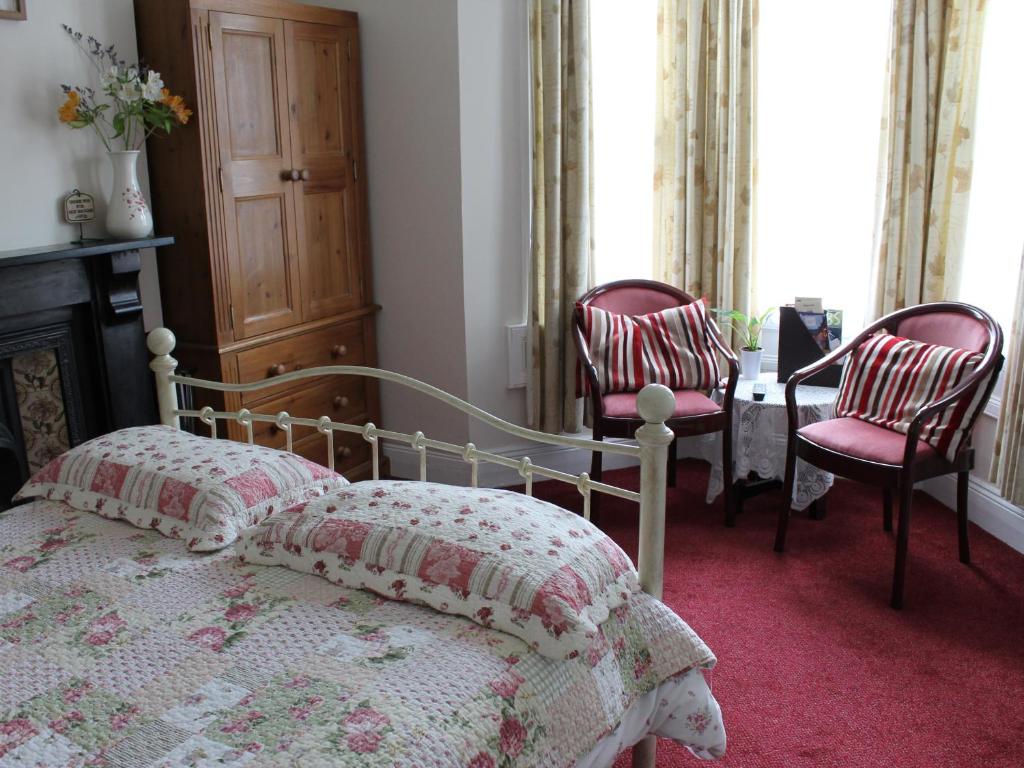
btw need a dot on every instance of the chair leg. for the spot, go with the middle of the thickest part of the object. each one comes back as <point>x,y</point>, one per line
<point>672,464</point>
<point>595,474</point>
<point>906,497</point>
<point>728,492</point>
<point>887,509</point>
<point>787,495</point>
<point>962,479</point>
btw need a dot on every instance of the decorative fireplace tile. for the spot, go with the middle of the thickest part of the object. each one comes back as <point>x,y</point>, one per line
<point>41,406</point>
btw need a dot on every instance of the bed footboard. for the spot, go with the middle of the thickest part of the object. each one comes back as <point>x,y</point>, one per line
<point>655,404</point>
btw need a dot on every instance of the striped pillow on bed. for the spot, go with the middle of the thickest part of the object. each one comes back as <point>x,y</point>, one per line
<point>672,347</point>
<point>888,379</point>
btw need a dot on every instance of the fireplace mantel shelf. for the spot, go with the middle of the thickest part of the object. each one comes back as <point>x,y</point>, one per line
<point>44,253</point>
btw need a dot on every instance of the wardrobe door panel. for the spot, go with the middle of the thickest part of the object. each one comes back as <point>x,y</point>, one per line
<point>256,162</point>
<point>249,75</point>
<point>322,148</point>
<point>261,248</point>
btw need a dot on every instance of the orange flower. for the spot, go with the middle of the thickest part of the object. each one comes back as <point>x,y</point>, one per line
<point>68,111</point>
<point>177,105</point>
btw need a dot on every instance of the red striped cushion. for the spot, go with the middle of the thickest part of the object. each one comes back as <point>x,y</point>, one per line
<point>887,379</point>
<point>671,347</point>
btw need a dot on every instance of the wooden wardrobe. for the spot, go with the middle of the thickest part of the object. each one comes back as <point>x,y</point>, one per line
<point>265,194</point>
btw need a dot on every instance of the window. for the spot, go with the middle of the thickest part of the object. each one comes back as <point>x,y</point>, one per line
<point>819,111</point>
<point>819,102</point>
<point>995,220</point>
<point>624,46</point>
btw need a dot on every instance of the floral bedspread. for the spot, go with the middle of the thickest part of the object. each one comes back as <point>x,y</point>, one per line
<point>120,648</point>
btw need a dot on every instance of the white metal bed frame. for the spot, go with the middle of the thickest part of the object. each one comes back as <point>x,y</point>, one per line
<point>655,404</point>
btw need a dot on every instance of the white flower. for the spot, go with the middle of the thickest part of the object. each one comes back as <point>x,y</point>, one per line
<point>110,77</point>
<point>153,86</point>
<point>129,91</point>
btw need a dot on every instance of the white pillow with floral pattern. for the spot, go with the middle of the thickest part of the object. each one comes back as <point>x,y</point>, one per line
<point>202,490</point>
<point>502,559</point>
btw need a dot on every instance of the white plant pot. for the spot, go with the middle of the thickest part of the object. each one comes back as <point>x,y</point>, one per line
<point>128,214</point>
<point>750,363</point>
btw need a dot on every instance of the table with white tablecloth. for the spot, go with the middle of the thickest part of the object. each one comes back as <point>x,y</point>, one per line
<point>759,434</point>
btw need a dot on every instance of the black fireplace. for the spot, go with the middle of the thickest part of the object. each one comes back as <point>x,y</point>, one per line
<point>73,361</point>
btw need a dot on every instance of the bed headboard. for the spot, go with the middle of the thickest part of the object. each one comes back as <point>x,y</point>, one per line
<point>655,403</point>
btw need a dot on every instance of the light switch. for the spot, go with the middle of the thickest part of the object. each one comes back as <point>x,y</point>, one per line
<point>517,350</point>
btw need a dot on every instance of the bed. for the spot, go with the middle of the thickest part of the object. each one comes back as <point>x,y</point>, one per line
<point>121,648</point>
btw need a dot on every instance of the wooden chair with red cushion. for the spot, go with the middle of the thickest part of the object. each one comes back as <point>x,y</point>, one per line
<point>906,407</point>
<point>615,413</point>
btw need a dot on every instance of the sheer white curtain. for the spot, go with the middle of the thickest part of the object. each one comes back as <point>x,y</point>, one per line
<point>818,111</point>
<point>624,78</point>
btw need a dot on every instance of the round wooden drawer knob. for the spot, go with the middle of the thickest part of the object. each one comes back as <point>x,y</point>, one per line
<point>339,350</point>
<point>304,174</point>
<point>277,370</point>
<point>345,452</point>
<point>340,401</point>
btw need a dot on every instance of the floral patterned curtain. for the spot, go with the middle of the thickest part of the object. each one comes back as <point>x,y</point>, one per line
<point>926,151</point>
<point>563,205</point>
<point>1008,460</point>
<point>704,149</point>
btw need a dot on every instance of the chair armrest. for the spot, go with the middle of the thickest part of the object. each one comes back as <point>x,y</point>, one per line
<point>589,369</point>
<point>731,361</point>
<point>991,364</point>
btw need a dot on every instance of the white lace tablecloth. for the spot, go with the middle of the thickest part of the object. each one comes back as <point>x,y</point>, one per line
<point>759,438</point>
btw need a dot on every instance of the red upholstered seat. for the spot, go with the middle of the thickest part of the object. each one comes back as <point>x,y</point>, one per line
<point>862,440</point>
<point>689,402</point>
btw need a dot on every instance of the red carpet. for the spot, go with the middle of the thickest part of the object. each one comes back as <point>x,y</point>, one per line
<point>814,668</point>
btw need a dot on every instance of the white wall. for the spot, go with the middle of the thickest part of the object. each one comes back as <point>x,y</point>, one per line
<point>43,160</point>
<point>495,130</point>
<point>448,141</point>
<point>446,97</point>
<point>411,99</point>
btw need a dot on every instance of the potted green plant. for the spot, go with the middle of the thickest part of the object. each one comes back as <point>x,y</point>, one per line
<point>748,331</point>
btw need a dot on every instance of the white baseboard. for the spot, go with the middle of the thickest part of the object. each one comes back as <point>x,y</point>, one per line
<point>452,470</point>
<point>985,507</point>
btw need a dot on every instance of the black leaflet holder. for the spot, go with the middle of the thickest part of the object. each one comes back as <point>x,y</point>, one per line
<point>798,348</point>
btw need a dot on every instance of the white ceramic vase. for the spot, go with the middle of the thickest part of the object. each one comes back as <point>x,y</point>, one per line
<point>750,363</point>
<point>128,215</point>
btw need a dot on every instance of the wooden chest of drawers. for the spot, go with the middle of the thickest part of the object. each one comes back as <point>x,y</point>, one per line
<point>352,399</point>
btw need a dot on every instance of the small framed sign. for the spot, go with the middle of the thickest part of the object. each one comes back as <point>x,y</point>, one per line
<point>79,207</point>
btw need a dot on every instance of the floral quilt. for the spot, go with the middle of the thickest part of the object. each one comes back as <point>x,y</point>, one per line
<point>120,648</point>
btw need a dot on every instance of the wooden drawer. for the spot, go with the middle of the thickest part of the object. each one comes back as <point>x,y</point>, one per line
<point>336,345</point>
<point>350,451</point>
<point>343,398</point>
